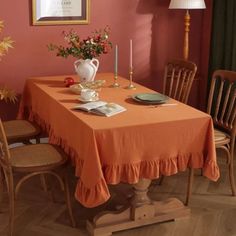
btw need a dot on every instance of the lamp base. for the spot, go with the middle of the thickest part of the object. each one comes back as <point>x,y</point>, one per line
<point>186,34</point>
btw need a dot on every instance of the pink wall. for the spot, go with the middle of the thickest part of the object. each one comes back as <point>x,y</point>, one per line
<point>157,34</point>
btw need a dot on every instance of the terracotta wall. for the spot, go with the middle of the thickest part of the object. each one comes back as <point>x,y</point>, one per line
<point>157,34</point>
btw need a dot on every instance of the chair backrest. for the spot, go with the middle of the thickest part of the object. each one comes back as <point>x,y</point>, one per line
<point>178,79</point>
<point>222,100</point>
<point>4,150</point>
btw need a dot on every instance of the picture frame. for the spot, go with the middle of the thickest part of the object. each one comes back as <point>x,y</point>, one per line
<point>60,12</point>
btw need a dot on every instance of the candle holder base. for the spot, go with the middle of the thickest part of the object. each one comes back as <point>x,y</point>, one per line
<point>131,86</point>
<point>115,85</point>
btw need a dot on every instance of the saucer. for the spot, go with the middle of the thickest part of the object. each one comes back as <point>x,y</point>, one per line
<point>88,100</point>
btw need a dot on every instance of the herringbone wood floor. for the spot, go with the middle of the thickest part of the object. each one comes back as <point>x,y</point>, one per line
<point>213,209</point>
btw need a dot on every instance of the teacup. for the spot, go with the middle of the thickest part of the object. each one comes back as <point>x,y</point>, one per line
<point>88,94</point>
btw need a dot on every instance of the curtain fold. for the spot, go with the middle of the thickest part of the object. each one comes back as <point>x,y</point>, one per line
<point>223,37</point>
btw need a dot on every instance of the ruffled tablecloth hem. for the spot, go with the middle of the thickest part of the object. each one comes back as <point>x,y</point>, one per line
<point>211,170</point>
<point>131,173</point>
<point>153,169</point>
<point>92,196</point>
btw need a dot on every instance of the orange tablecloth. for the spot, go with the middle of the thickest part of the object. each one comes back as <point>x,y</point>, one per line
<point>142,142</point>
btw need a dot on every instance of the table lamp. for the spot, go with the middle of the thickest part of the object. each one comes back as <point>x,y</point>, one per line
<point>187,4</point>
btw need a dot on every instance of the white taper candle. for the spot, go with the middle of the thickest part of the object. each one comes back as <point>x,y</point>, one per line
<point>116,60</point>
<point>131,54</point>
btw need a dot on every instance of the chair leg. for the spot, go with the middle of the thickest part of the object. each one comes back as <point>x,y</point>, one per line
<point>43,182</point>
<point>5,177</point>
<point>1,184</point>
<point>68,201</point>
<point>37,139</point>
<point>47,186</point>
<point>231,176</point>
<point>27,142</point>
<point>11,204</point>
<point>190,185</point>
<point>201,172</point>
<point>161,179</point>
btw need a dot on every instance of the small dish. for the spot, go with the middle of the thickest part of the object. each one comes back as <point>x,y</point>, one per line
<point>96,85</point>
<point>94,99</point>
<point>76,88</point>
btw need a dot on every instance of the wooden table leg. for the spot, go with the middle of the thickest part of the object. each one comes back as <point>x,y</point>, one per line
<point>142,211</point>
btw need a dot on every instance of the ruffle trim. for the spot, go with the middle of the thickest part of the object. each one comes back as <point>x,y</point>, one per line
<point>128,173</point>
<point>131,173</point>
<point>153,169</point>
<point>92,197</point>
<point>211,170</point>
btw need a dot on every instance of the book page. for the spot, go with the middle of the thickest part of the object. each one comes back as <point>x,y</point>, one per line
<point>109,109</point>
<point>90,105</point>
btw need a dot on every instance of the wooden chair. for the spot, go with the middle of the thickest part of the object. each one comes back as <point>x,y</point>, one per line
<point>222,107</point>
<point>31,160</point>
<point>21,131</point>
<point>178,78</point>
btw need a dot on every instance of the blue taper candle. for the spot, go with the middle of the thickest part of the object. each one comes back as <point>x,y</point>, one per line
<point>116,60</point>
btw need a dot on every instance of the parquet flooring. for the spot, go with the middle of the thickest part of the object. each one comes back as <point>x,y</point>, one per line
<point>213,209</point>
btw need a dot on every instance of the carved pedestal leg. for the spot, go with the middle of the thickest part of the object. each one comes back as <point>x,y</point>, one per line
<point>142,211</point>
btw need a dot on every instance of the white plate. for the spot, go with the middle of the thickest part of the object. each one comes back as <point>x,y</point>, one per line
<point>88,100</point>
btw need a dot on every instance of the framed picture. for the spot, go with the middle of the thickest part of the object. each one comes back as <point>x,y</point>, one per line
<point>60,12</point>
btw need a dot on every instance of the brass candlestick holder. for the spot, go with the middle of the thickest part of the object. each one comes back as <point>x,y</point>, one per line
<point>131,86</point>
<point>115,84</point>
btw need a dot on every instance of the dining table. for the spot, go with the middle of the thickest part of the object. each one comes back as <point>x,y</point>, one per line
<point>135,146</point>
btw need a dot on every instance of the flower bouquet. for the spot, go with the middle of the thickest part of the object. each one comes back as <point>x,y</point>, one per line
<point>91,47</point>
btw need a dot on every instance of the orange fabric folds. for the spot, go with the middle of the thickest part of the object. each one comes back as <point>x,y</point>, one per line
<point>142,142</point>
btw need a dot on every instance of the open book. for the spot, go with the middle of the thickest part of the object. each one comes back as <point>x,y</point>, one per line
<point>101,108</point>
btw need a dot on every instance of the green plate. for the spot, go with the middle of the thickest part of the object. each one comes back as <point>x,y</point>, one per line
<point>150,98</point>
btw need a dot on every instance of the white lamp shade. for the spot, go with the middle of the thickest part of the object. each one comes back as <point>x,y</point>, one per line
<point>187,4</point>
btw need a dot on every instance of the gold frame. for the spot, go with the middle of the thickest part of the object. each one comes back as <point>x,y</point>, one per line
<point>58,20</point>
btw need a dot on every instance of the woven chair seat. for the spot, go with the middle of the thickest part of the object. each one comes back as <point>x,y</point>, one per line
<point>221,137</point>
<point>39,155</point>
<point>17,130</point>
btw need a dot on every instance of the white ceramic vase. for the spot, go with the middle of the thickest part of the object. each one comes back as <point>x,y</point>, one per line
<point>86,69</point>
